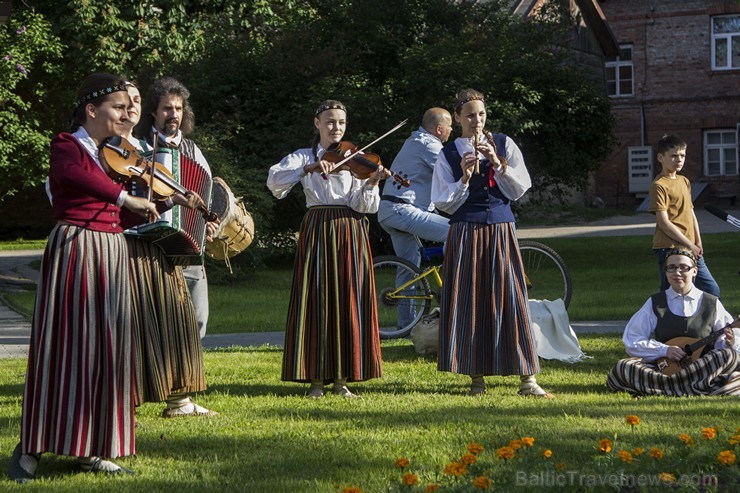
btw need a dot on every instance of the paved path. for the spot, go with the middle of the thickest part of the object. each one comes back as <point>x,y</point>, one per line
<point>19,270</point>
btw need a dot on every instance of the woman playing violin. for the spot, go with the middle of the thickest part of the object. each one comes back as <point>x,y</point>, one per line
<point>77,399</point>
<point>332,327</point>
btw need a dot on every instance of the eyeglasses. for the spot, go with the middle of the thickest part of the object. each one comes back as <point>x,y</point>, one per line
<point>683,268</point>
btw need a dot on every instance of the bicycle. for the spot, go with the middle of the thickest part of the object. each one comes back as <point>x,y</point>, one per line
<point>546,273</point>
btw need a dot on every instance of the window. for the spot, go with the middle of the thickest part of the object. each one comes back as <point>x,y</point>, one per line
<point>720,152</point>
<point>726,42</point>
<point>619,73</point>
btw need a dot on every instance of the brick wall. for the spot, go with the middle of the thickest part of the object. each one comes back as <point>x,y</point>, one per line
<point>676,90</point>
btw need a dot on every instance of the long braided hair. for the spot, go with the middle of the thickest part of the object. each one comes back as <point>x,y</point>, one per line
<point>467,95</point>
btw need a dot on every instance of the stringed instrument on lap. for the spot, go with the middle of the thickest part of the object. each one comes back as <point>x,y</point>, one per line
<point>693,347</point>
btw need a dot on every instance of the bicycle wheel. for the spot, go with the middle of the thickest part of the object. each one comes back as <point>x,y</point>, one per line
<point>548,277</point>
<point>399,312</point>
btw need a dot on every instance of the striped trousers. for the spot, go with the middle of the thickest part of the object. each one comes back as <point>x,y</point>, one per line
<point>716,373</point>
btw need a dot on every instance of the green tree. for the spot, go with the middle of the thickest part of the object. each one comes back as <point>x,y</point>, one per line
<point>26,47</point>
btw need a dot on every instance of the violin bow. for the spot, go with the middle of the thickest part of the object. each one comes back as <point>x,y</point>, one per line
<point>150,195</point>
<point>323,175</point>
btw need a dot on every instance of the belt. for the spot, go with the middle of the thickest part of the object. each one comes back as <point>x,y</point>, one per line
<point>393,198</point>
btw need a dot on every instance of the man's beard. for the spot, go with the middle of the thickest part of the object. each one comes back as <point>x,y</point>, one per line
<point>169,131</point>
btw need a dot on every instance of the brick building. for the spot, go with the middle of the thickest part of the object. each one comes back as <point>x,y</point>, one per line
<point>679,72</point>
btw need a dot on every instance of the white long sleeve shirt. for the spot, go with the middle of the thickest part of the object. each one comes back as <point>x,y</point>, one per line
<point>636,338</point>
<point>339,188</point>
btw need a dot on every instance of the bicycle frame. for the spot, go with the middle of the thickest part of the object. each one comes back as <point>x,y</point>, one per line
<point>432,271</point>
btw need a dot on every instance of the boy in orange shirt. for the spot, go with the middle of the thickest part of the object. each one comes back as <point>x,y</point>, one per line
<point>676,225</point>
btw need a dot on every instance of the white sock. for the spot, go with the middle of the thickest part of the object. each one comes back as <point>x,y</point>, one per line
<point>179,401</point>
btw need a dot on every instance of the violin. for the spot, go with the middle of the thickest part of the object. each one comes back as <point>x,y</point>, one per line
<point>360,165</point>
<point>124,163</point>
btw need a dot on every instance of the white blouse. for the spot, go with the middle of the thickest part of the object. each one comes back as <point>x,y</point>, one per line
<point>339,188</point>
<point>448,195</point>
<point>636,338</point>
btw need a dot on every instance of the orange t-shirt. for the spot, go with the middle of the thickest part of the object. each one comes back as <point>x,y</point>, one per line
<point>674,197</point>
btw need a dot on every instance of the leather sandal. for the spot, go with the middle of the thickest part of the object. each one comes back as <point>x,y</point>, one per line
<point>535,391</point>
<point>343,391</point>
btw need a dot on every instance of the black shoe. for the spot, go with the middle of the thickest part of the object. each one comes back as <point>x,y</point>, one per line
<point>15,470</point>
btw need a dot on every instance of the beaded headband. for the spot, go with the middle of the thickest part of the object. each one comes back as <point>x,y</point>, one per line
<point>467,100</point>
<point>98,93</point>
<point>325,107</point>
<point>685,253</point>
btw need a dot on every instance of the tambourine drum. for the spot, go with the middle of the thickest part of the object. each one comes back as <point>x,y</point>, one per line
<point>236,231</point>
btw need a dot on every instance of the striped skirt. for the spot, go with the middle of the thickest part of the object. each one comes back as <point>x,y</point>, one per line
<point>716,373</point>
<point>169,352</point>
<point>484,326</point>
<point>77,400</point>
<point>332,327</point>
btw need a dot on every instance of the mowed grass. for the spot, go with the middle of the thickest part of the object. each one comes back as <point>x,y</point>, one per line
<point>269,438</point>
<point>612,278</point>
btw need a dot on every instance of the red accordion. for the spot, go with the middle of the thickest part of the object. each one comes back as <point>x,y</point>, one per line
<point>180,232</point>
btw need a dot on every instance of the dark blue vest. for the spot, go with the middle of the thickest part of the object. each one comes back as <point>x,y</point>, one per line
<point>484,205</point>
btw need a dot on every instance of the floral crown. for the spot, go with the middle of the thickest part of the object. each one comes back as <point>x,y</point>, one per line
<point>333,106</point>
<point>472,97</point>
<point>98,93</point>
<point>685,253</point>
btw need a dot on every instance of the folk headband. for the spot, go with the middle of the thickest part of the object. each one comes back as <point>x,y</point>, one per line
<point>468,99</point>
<point>685,253</point>
<point>100,92</point>
<point>326,107</point>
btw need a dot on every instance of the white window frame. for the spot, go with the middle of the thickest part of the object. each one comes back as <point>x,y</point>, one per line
<point>729,38</point>
<point>619,63</point>
<point>722,147</point>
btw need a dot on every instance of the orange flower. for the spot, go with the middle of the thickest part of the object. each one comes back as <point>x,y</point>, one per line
<point>547,453</point>
<point>475,448</point>
<point>402,462</point>
<point>605,446</point>
<point>656,453</point>
<point>708,433</point>
<point>734,440</point>
<point>432,487</point>
<point>505,453</point>
<point>527,441</point>
<point>667,477</point>
<point>560,466</point>
<point>351,489</point>
<point>515,444</point>
<point>410,479</point>
<point>686,439</point>
<point>726,458</point>
<point>482,482</point>
<point>632,420</point>
<point>638,451</point>
<point>625,456</point>
<point>456,469</point>
<point>468,459</point>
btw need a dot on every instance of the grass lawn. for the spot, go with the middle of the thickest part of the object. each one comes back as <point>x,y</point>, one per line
<point>612,277</point>
<point>269,438</point>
